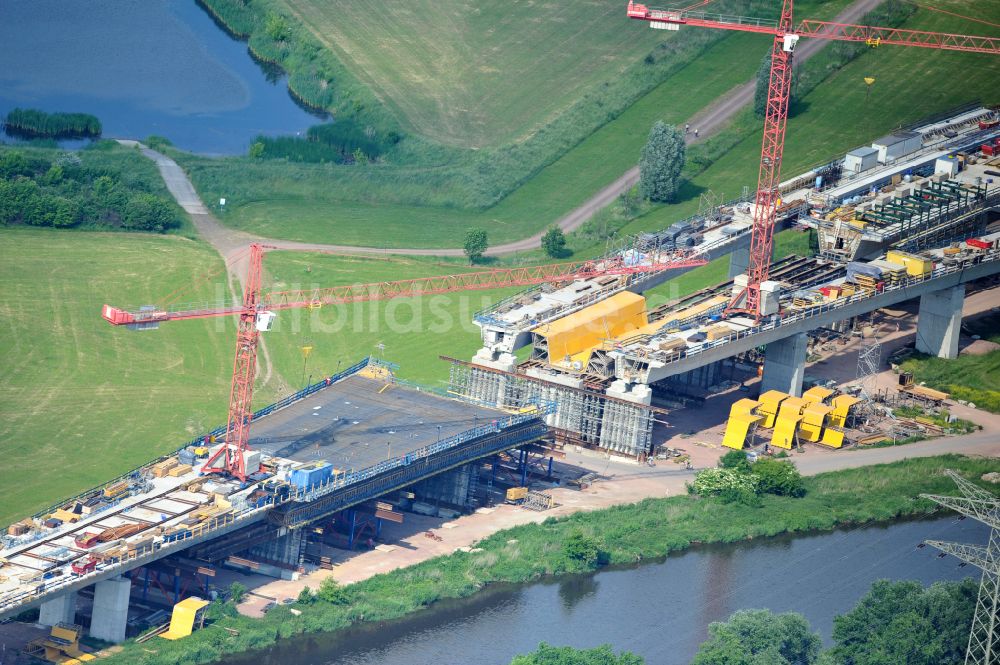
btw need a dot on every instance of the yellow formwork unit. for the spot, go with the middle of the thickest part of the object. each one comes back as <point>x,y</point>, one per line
<point>769,404</point>
<point>789,416</point>
<point>813,416</point>
<point>186,614</point>
<point>814,413</point>
<point>833,435</point>
<point>574,336</point>
<point>741,417</point>
<point>816,395</point>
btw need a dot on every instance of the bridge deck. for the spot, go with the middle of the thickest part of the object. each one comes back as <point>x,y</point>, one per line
<point>360,421</point>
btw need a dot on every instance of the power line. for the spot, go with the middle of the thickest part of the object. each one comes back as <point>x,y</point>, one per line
<point>982,506</point>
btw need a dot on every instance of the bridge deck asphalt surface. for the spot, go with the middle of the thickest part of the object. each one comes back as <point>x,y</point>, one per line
<point>359,422</point>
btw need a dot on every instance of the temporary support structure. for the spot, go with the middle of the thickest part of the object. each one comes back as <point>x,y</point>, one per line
<point>741,419</point>
<point>814,414</point>
<point>583,417</point>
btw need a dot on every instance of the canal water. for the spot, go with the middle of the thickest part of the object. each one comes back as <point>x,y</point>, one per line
<point>143,67</point>
<point>658,610</point>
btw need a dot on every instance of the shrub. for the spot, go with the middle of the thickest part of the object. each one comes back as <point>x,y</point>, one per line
<point>581,549</point>
<point>237,592</point>
<point>306,596</point>
<point>711,482</point>
<point>661,163</point>
<point>778,477</point>
<point>476,242</point>
<point>554,242</point>
<point>32,122</point>
<point>333,593</point>
<point>735,460</point>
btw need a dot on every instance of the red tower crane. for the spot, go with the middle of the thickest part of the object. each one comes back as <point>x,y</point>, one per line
<point>786,34</point>
<point>258,307</point>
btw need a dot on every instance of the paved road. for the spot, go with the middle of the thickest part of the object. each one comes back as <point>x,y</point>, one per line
<point>230,243</point>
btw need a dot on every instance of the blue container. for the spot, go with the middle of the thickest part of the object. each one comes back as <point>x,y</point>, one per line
<point>311,476</point>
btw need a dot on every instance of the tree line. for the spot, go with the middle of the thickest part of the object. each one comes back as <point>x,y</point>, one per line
<point>32,123</point>
<point>63,193</point>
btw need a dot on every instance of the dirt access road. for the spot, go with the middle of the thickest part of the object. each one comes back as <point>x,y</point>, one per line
<point>230,243</point>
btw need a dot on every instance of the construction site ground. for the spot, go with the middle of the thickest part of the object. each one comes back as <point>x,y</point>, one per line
<point>696,431</point>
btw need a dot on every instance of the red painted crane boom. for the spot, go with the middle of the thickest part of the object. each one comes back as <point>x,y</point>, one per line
<point>258,308</point>
<point>786,34</point>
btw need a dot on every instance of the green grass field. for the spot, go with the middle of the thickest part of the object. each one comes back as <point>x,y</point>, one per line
<point>475,74</point>
<point>414,331</point>
<point>83,401</point>
<point>386,205</point>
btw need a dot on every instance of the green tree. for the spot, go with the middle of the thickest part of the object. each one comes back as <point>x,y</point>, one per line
<point>759,637</point>
<point>903,622</point>
<point>661,162</point>
<point>237,592</point>
<point>602,655</point>
<point>582,549</point>
<point>476,242</point>
<point>760,89</point>
<point>775,476</point>
<point>554,242</point>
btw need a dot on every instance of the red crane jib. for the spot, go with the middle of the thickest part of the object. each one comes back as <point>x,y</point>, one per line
<point>748,300</point>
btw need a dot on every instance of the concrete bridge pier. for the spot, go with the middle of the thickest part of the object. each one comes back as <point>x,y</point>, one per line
<point>110,613</point>
<point>739,261</point>
<point>785,365</point>
<point>939,322</point>
<point>61,609</point>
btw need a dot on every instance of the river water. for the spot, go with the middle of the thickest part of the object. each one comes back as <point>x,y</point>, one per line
<point>143,67</point>
<point>658,610</point>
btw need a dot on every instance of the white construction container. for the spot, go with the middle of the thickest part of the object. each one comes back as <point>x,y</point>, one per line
<point>860,160</point>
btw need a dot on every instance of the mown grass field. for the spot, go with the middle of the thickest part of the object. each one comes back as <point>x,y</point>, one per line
<point>476,74</point>
<point>325,203</point>
<point>414,331</point>
<point>83,401</point>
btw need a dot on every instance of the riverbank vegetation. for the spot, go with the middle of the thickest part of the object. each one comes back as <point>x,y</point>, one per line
<point>32,123</point>
<point>624,534</point>
<point>102,187</point>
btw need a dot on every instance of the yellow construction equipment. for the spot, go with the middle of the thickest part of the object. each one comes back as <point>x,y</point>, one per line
<point>816,395</point>
<point>813,416</point>
<point>833,435</point>
<point>769,404</point>
<point>741,418</point>
<point>187,613</point>
<point>61,646</point>
<point>515,494</point>
<point>789,416</point>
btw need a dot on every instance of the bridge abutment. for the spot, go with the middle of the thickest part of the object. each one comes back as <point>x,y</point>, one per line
<point>61,609</point>
<point>785,365</point>
<point>939,322</point>
<point>110,614</point>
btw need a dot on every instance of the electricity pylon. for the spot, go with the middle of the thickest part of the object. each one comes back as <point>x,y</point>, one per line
<point>984,638</point>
